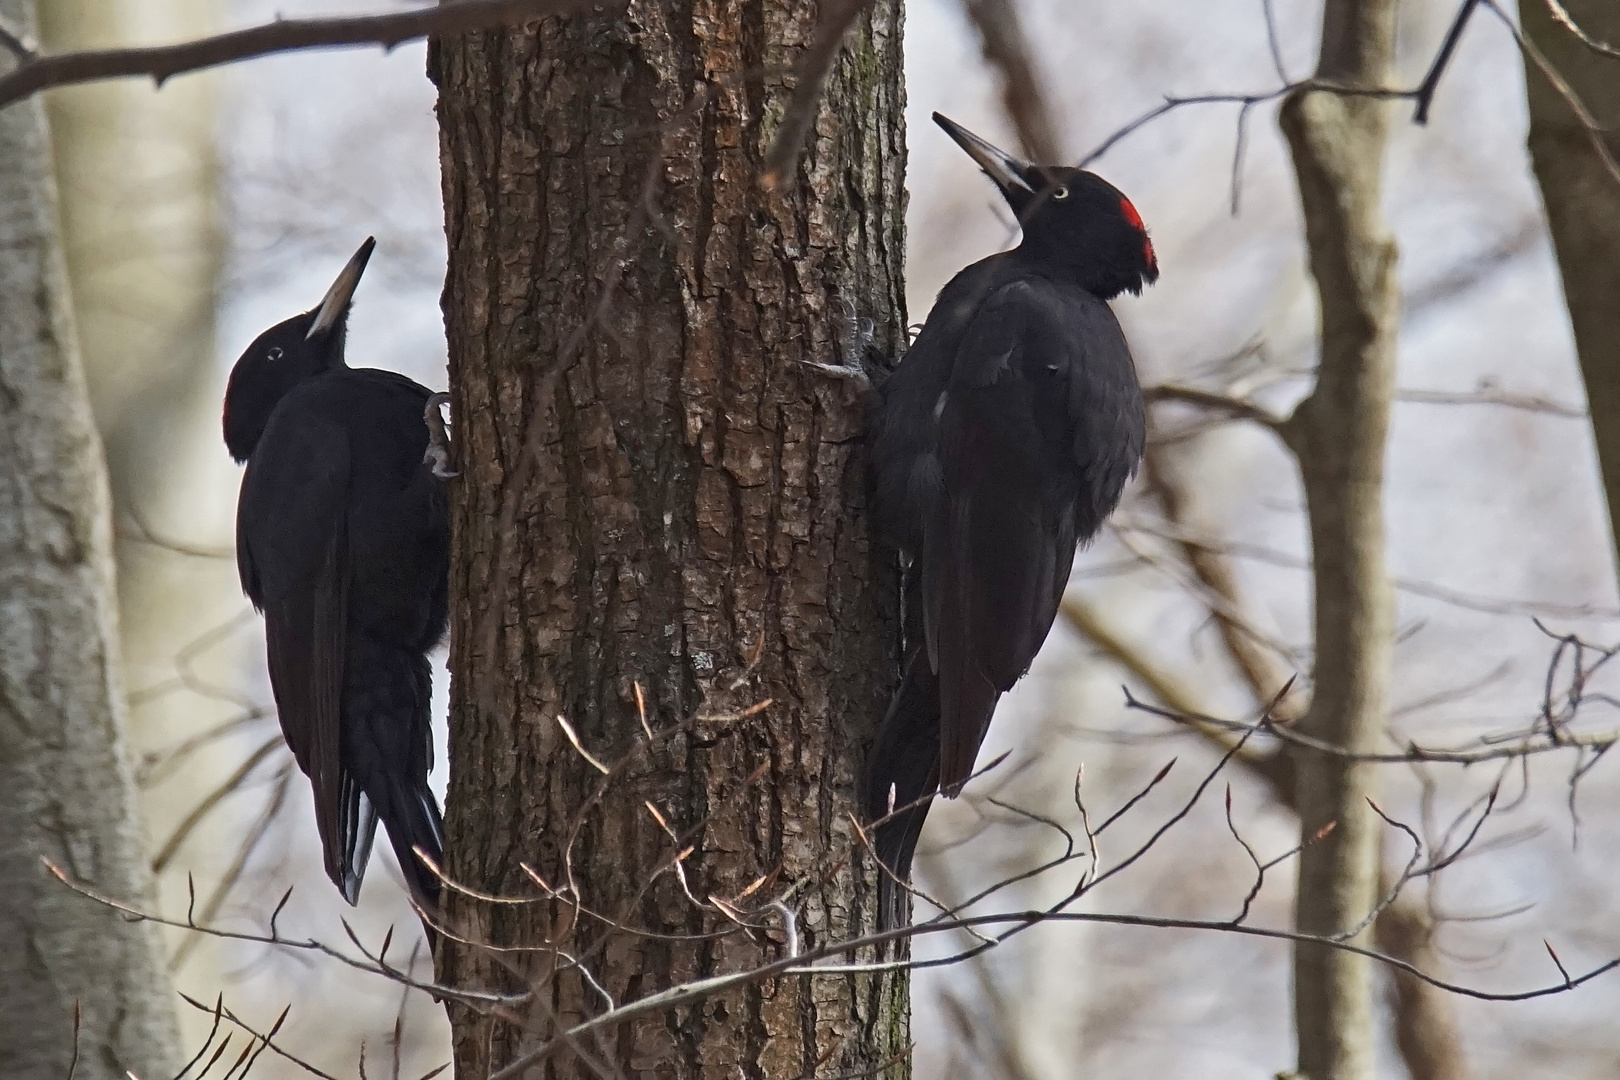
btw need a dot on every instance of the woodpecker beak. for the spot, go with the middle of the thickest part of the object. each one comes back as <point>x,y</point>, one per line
<point>336,301</point>
<point>1006,170</point>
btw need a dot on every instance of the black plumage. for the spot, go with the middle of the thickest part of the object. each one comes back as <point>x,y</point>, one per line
<point>1001,442</point>
<point>342,541</point>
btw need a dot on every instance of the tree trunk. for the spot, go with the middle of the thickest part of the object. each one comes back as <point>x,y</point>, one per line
<point>1583,205</point>
<point>1338,434</point>
<point>658,499</point>
<point>140,229</point>
<point>138,204</point>
<point>66,789</point>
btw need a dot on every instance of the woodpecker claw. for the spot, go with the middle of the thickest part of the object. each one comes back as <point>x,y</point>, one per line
<point>437,457</point>
<point>859,331</point>
<point>852,372</point>
<point>854,341</point>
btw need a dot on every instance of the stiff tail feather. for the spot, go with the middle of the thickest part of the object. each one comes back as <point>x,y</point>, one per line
<point>902,774</point>
<point>412,822</point>
<point>388,750</point>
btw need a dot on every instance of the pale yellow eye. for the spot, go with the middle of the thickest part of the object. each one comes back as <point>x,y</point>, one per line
<point>1060,193</point>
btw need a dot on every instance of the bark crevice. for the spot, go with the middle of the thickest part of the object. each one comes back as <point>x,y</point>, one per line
<point>690,523</point>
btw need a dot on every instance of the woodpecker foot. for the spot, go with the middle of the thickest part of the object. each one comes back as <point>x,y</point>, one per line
<point>437,457</point>
<point>855,340</point>
<point>854,373</point>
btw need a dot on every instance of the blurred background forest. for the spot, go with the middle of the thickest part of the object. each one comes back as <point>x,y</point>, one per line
<point>195,216</point>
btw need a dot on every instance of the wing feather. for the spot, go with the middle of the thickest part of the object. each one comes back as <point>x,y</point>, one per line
<point>1039,429</point>
<point>293,551</point>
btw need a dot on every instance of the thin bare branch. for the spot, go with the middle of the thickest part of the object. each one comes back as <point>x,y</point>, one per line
<point>1006,48</point>
<point>1596,134</point>
<point>159,63</point>
<point>233,874</point>
<point>1236,408</point>
<point>1492,395</point>
<point>224,790</point>
<point>1431,80</point>
<point>1562,17</point>
<point>833,20</point>
<point>267,1039</point>
<point>18,44</point>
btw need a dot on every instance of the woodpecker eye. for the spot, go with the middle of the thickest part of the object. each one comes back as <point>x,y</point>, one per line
<point>1060,193</point>
<point>275,354</point>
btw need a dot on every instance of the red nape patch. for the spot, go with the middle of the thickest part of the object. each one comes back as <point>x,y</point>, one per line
<point>1135,219</point>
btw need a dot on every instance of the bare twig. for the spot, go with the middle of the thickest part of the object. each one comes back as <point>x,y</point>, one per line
<point>1525,744</point>
<point>1273,43</point>
<point>1431,80</point>
<point>1007,50</point>
<point>697,990</point>
<point>1236,408</point>
<point>1492,395</point>
<point>21,48</point>
<point>833,19</point>
<point>220,793</point>
<point>267,1040</point>
<point>1596,133</point>
<point>144,533</point>
<point>161,62</point>
<point>1562,17</point>
<point>244,852</point>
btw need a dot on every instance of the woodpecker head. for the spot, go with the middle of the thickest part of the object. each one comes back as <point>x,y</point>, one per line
<point>286,354</point>
<point>1074,221</point>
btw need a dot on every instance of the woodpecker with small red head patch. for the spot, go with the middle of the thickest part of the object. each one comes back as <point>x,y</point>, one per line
<point>342,541</point>
<point>1000,444</point>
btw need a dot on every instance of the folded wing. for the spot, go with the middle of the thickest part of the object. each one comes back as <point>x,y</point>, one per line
<point>1040,426</point>
<point>293,557</point>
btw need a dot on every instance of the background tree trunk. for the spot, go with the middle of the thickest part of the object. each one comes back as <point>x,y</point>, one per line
<point>66,790</point>
<point>1583,205</point>
<point>139,176</point>
<point>138,191</point>
<point>1338,433</point>
<point>657,494</point>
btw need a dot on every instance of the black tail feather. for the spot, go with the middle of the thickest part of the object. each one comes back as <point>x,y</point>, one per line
<point>902,774</point>
<point>412,820</point>
<point>388,750</point>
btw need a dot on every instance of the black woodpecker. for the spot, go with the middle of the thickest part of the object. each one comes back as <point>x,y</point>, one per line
<point>1001,442</point>
<point>342,541</point>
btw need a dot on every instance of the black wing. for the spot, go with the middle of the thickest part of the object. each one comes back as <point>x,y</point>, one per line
<point>292,551</point>
<point>1040,426</point>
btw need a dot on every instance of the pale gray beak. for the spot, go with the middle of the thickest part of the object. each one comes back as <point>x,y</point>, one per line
<point>1002,167</point>
<point>337,298</point>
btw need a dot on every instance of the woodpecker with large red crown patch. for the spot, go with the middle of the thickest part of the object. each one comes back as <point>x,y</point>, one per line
<point>1000,444</point>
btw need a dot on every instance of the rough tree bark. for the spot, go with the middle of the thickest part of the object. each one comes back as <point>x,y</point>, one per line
<point>1582,201</point>
<point>658,496</point>
<point>1338,434</point>
<point>66,790</point>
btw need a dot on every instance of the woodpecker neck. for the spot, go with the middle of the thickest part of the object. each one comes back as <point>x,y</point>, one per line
<point>281,359</point>
<point>1103,278</point>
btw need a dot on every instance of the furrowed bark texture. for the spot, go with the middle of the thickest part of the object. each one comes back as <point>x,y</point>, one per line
<point>1583,205</point>
<point>692,523</point>
<point>1338,434</point>
<point>67,792</point>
